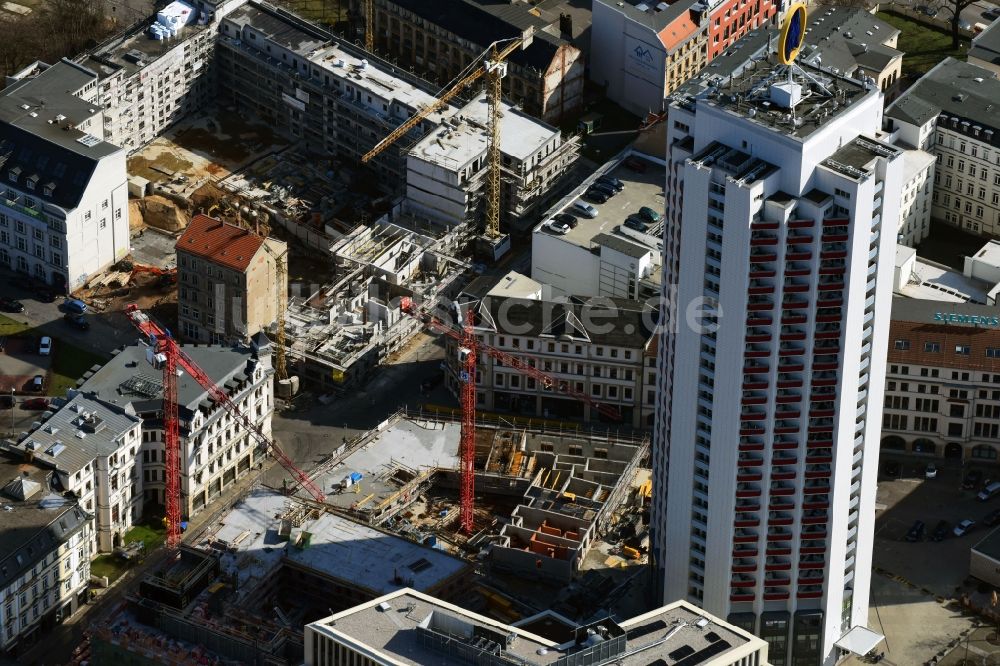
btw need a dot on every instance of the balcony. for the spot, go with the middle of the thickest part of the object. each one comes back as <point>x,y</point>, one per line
<point>799,238</point>
<point>779,535</point>
<point>753,400</point>
<point>747,490</point>
<point>795,288</point>
<point>747,477</point>
<point>818,549</point>
<point>746,521</point>
<point>809,594</point>
<point>745,506</point>
<point>777,579</point>
<point>757,241</point>
<point>775,595</point>
<point>743,551</point>
<point>756,273</point>
<point>743,581</point>
<point>789,366</point>
<point>781,504</point>
<point>816,456</point>
<point>749,461</point>
<point>758,304</point>
<point>792,334</point>
<point>777,565</point>
<point>778,551</point>
<point>786,349</point>
<point>742,536</point>
<point>788,383</point>
<point>817,471</point>
<point>833,254</point>
<point>747,430</point>
<point>781,490</point>
<point>757,320</point>
<point>782,427</point>
<point>817,502</point>
<point>738,597</point>
<point>831,286</point>
<point>744,565</point>
<point>793,318</point>
<point>750,446</point>
<point>782,474</point>
<point>790,398</point>
<point>812,563</point>
<point>798,256</point>
<point>797,270</point>
<point>801,224</point>
<point>816,489</point>
<point>779,519</point>
<point>763,256</point>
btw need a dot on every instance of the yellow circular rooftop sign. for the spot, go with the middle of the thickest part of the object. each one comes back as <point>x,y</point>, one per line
<point>792,33</point>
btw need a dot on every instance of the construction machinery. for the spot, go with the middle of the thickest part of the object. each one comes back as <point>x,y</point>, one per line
<point>468,349</point>
<point>280,367</point>
<point>494,68</point>
<point>166,354</point>
<point>168,276</point>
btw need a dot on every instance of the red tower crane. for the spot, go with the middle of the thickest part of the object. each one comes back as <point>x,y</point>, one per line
<point>469,347</point>
<point>171,356</point>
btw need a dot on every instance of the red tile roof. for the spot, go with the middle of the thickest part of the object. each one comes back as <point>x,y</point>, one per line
<point>947,337</point>
<point>219,242</point>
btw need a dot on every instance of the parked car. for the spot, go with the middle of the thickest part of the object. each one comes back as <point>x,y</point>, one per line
<point>613,183</point>
<point>633,222</point>
<point>941,531</point>
<point>927,10</point>
<point>964,527</point>
<point>635,164</point>
<point>74,305</point>
<point>649,214</point>
<point>558,227</point>
<point>992,519</point>
<point>989,492</point>
<point>890,468</point>
<point>43,293</point>
<point>37,383</point>
<point>80,322</point>
<point>597,196</point>
<point>568,219</point>
<point>45,345</point>
<point>35,404</point>
<point>991,14</point>
<point>972,479</point>
<point>10,305</point>
<point>22,281</point>
<point>931,471</point>
<point>964,25</point>
<point>916,532</point>
<point>584,209</point>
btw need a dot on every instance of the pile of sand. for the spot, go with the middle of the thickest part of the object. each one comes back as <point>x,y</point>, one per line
<point>160,212</point>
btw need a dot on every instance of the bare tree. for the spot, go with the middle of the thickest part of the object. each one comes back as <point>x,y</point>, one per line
<point>955,7</point>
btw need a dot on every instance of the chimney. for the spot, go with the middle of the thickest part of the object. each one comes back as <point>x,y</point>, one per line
<point>566,26</point>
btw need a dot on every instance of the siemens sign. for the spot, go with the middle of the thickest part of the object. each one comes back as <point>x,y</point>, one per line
<point>974,320</point>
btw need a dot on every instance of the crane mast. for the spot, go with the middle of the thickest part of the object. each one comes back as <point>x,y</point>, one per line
<point>175,359</point>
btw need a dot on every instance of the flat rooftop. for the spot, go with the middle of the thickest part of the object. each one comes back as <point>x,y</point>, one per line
<point>743,82</point>
<point>339,548</point>
<point>405,446</point>
<point>856,159</point>
<point>393,626</point>
<point>284,29</point>
<point>464,138</point>
<point>989,545</point>
<point>641,190</point>
<point>134,49</point>
<point>936,282</point>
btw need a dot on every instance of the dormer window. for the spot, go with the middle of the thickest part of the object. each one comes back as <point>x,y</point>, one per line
<point>30,183</point>
<point>13,174</point>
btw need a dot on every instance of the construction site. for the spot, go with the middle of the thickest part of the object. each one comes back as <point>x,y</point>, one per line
<point>341,332</point>
<point>390,520</point>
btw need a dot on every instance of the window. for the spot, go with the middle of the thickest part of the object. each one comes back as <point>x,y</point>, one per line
<point>932,347</point>
<point>902,345</point>
<point>993,352</point>
<point>964,350</point>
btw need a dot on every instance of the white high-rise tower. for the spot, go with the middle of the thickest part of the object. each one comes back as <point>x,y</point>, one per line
<point>781,209</point>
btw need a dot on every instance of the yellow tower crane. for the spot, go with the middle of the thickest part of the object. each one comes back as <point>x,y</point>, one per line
<point>369,28</point>
<point>494,68</point>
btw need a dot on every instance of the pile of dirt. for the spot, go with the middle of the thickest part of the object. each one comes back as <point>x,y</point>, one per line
<point>135,221</point>
<point>162,213</point>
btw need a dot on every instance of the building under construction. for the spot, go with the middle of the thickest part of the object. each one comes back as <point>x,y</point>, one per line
<point>542,498</point>
<point>338,334</point>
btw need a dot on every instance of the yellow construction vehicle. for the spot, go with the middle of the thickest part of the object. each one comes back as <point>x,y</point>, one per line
<point>494,68</point>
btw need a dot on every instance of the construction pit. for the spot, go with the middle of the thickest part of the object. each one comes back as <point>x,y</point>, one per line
<point>275,561</point>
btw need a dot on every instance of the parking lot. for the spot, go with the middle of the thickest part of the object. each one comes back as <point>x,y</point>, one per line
<point>642,189</point>
<point>915,584</point>
<point>19,363</point>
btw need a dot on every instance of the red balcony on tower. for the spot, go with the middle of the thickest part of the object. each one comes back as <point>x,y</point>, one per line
<point>801,224</point>
<point>755,274</point>
<point>808,594</point>
<point>778,550</point>
<point>777,566</point>
<point>798,256</point>
<point>750,446</point>
<point>813,550</point>
<point>738,597</point>
<point>762,337</point>
<point>775,596</point>
<point>787,318</point>
<point>788,383</point>
<point>744,567</point>
<point>747,477</point>
<point>757,320</point>
<point>783,475</point>
<point>795,288</point>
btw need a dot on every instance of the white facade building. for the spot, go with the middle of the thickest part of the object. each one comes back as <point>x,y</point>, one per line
<point>64,203</point>
<point>915,200</point>
<point>93,447</point>
<point>45,550</point>
<point>951,112</point>
<point>215,450</point>
<point>783,272</point>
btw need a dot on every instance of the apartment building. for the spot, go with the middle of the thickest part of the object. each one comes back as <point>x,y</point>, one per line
<point>410,627</point>
<point>775,231</point>
<point>45,551</point>
<point>641,51</point>
<point>446,172</point>
<point>231,283</point>
<point>730,20</point>
<point>315,87</point>
<point>951,113</point>
<point>985,48</point>
<point>93,449</point>
<point>215,449</point>
<point>850,41</point>
<point>440,39</point>
<point>148,81</point>
<point>595,349</point>
<point>64,203</point>
<point>942,394</point>
<point>915,201</point>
